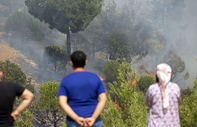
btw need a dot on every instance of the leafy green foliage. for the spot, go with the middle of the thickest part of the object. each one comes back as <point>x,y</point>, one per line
<point>48,96</point>
<point>13,73</point>
<point>24,119</point>
<point>24,25</point>
<point>185,92</point>
<point>110,70</point>
<point>118,48</point>
<point>134,111</point>
<point>112,116</point>
<point>122,22</point>
<point>95,35</point>
<point>155,47</point>
<point>176,63</point>
<point>48,102</point>
<point>64,124</point>
<point>74,16</point>
<point>144,82</point>
<point>55,55</point>
<point>157,50</point>
<point>188,109</point>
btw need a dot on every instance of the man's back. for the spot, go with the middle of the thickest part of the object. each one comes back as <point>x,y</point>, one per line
<point>8,92</point>
<point>82,89</point>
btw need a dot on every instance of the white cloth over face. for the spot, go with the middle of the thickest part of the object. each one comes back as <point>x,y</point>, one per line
<point>164,76</point>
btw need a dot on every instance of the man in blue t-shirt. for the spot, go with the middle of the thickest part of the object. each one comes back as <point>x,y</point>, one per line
<point>79,93</point>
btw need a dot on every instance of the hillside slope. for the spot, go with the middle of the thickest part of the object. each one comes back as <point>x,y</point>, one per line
<point>27,66</point>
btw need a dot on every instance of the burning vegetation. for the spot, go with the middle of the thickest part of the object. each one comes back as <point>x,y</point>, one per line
<point>152,74</point>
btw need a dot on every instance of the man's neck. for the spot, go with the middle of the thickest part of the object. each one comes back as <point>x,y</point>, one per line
<point>79,69</point>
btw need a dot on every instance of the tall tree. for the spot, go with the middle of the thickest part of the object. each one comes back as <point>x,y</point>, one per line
<point>111,21</point>
<point>126,24</point>
<point>176,63</point>
<point>96,36</point>
<point>80,42</point>
<point>24,25</point>
<point>156,45</point>
<point>165,12</point>
<point>73,16</point>
<point>48,102</point>
<point>156,50</point>
<point>55,55</point>
<point>118,47</point>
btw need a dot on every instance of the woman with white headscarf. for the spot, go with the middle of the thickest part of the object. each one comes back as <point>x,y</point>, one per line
<point>163,99</point>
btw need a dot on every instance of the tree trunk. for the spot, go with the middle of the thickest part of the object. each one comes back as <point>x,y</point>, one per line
<point>68,45</point>
<point>55,125</point>
<point>55,122</point>
<point>10,7</point>
<point>55,66</point>
<point>93,50</point>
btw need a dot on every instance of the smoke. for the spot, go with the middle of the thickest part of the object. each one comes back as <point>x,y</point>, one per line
<point>190,53</point>
<point>181,39</point>
<point>180,36</point>
<point>119,3</point>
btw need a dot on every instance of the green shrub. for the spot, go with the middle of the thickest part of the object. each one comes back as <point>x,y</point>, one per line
<point>110,70</point>
<point>144,82</point>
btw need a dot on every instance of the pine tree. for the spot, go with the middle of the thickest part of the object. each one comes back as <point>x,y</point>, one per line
<point>65,15</point>
<point>188,109</point>
<point>48,102</point>
<point>133,112</point>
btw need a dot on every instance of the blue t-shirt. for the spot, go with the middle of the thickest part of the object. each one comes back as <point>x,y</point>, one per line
<point>82,89</point>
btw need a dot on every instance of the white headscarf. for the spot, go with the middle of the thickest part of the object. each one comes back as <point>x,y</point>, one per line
<point>164,75</point>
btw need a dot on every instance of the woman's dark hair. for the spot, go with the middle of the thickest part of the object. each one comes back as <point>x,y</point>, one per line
<point>157,79</point>
<point>78,59</point>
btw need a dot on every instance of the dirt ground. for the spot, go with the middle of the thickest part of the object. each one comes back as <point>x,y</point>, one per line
<point>9,53</point>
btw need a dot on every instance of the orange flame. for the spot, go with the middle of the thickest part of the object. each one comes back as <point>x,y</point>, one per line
<point>134,81</point>
<point>152,74</point>
<point>115,103</point>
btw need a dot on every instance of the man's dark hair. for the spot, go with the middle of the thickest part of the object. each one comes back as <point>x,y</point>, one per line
<point>78,58</point>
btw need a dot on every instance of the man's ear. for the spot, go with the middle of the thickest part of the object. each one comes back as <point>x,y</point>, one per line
<point>71,63</point>
<point>1,74</point>
<point>86,62</point>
